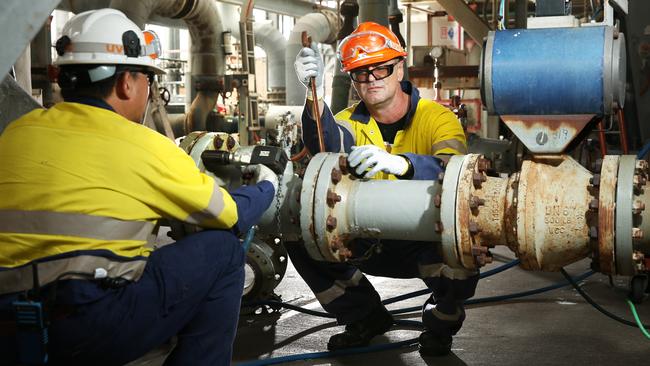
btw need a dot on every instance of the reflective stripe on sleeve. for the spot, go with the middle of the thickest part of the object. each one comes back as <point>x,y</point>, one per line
<point>453,144</point>
<point>20,279</point>
<point>338,288</point>
<point>73,224</point>
<point>346,125</point>
<point>214,209</point>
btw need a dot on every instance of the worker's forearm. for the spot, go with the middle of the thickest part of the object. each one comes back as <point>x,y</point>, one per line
<point>331,131</point>
<point>251,202</point>
<point>425,167</point>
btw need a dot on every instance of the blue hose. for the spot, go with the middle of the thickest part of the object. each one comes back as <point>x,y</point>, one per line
<point>515,295</point>
<point>385,302</point>
<point>644,151</point>
<point>343,352</point>
<point>428,291</point>
<point>249,238</point>
<point>407,343</point>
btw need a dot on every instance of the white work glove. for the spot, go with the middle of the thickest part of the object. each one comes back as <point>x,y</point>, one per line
<point>377,159</point>
<point>259,172</point>
<point>310,63</point>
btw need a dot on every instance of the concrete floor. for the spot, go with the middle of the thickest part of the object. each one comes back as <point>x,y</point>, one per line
<point>554,328</point>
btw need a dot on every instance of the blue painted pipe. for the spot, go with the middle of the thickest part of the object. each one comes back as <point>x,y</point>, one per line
<point>555,71</point>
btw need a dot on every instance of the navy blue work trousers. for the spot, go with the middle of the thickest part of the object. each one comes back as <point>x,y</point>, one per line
<point>344,292</point>
<point>190,289</point>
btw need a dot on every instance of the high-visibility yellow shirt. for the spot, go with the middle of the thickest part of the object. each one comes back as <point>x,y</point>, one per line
<point>82,178</point>
<point>431,129</point>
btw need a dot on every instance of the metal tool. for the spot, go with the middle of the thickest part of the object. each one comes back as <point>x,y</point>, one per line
<point>306,42</point>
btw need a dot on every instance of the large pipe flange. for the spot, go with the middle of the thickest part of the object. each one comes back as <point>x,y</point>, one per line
<point>307,204</point>
<point>472,254</point>
<point>447,224</point>
<point>265,267</point>
<point>630,192</point>
<point>604,182</point>
<point>624,224</point>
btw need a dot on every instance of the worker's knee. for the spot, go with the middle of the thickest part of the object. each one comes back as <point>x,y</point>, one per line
<point>219,247</point>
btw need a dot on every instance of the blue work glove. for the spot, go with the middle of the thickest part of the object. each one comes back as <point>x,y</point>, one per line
<point>376,159</point>
<point>310,63</point>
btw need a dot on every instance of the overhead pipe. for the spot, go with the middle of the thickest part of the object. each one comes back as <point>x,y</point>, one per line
<point>294,8</point>
<point>341,82</point>
<point>267,37</point>
<point>374,11</point>
<point>395,17</point>
<point>207,56</point>
<point>322,28</point>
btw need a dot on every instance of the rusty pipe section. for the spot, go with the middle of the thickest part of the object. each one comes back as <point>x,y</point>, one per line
<point>542,220</point>
<point>552,213</point>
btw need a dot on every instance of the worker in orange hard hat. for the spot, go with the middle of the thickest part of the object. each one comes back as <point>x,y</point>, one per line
<point>391,134</point>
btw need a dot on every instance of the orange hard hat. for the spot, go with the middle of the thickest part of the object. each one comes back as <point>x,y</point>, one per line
<point>370,43</point>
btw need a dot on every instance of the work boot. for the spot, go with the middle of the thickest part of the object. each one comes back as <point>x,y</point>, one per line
<point>359,333</point>
<point>434,345</point>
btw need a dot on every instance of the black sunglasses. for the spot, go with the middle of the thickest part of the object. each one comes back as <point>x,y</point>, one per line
<point>379,73</point>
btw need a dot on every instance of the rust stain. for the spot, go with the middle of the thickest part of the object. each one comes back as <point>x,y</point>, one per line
<point>572,122</point>
<point>606,214</point>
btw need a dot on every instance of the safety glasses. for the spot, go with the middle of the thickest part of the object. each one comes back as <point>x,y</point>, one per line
<point>149,74</point>
<point>379,73</point>
<point>364,43</point>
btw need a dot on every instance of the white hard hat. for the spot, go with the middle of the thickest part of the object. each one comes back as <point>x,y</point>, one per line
<point>107,37</point>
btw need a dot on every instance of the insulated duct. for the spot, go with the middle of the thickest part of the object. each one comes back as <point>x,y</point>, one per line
<point>322,28</point>
<point>271,40</point>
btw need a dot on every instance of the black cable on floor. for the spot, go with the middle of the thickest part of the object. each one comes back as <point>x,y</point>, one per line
<point>595,305</point>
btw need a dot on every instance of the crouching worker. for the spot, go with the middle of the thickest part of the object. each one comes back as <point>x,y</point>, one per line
<point>82,186</point>
<point>391,133</point>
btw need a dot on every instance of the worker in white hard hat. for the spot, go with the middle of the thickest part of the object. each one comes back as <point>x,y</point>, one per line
<point>82,187</point>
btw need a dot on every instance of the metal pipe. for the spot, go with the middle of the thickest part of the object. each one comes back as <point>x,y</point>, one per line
<point>207,56</point>
<point>405,209</point>
<point>373,11</point>
<point>23,70</point>
<point>271,40</point>
<point>294,8</point>
<point>268,37</point>
<point>546,225</point>
<point>341,82</point>
<point>601,138</point>
<point>322,28</point>
<point>623,130</point>
<point>408,36</point>
<point>41,60</point>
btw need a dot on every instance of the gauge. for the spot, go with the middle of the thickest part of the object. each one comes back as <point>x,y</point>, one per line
<point>436,51</point>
